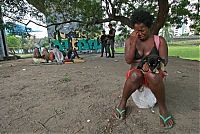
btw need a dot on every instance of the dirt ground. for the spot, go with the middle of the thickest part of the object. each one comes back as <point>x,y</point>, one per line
<point>79,98</point>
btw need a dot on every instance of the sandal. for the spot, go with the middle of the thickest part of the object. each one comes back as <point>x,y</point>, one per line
<point>165,120</point>
<point>120,114</point>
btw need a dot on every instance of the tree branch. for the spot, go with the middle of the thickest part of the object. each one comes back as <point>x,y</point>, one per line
<point>20,21</point>
<point>123,20</point>
<point>107,8</point>
<point>45,26</point>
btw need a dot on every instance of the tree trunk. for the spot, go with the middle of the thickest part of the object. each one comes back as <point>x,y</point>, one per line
<point>159,22</point>
<point>161,17</point>
<point>2,34</point>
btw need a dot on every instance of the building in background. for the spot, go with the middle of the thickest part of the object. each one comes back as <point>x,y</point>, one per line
<point>184,30</point>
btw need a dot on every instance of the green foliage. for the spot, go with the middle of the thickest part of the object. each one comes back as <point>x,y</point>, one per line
<point>182,10</point>
<point>124,32</point>
<point>66,78</point>
<point>13,41</point>
<point>167,33</point>
<point>197,30</point>
<point>91,12</point>
<point>9,26</point>
<point>179,12</point>
<point>46,45</point>
<point>16,42</point>
<point>18,10</point>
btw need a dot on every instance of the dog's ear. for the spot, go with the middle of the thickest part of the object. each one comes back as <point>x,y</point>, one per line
<point>162,60</point>
<point>159,59</point>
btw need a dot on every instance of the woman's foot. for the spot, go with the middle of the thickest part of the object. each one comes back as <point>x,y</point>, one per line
<point>166,121</point>
<point>119,114</point>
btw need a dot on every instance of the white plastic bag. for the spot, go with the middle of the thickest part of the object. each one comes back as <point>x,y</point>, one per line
<point>144,98</point>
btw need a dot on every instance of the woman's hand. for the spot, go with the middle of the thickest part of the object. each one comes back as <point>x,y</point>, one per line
<point>130,46</point>
<point>145,67</point>
<point>134,36</point>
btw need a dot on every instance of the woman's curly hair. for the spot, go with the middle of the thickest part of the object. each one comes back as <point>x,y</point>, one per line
<point>141,16</point>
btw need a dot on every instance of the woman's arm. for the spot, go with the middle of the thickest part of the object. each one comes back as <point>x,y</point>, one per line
<point>130,46</point>
<point>163,50</point>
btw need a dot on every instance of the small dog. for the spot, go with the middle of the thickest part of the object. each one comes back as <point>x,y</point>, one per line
<point>154,62</point>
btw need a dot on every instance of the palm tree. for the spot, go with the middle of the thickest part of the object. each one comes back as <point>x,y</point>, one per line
<point>167,32</point>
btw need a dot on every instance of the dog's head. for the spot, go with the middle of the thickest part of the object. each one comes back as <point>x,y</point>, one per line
<point>153,61</point>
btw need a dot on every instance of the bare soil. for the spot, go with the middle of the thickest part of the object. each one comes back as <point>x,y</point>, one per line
<point>79,98</point>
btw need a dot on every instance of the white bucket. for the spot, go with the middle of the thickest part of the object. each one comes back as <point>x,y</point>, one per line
<point>144,98</point>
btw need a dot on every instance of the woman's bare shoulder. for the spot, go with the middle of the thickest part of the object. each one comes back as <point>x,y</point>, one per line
<point>162,40</point>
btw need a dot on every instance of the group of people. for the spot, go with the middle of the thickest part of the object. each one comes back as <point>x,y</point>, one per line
<point>107,42</point>
<point>54,55</point>
<point>138,46</point>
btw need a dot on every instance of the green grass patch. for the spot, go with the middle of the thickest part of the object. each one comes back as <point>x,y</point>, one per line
<point>182,51</point>
<point>66,78</point>
<point>184,43</point>
<point>185,52</point>
<point>23,56</point>
<point>119,50</point>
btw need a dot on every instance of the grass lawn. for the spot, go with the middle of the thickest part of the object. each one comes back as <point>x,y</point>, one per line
<point>191,52</point>
<point>184,52</point>
<point>25,55</point>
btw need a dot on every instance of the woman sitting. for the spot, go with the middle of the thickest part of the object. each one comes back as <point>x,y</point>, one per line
<point>36,53</point>
<point>140,44</point>
<point>37,58</point>
<point>56,55</point>
<point>45,54</point>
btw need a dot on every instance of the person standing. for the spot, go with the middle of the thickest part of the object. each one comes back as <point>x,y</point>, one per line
<point>103,40</point>
<point>112,39</point>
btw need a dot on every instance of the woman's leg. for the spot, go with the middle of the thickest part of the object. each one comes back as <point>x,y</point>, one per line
<point>133,82</point>
<point>155,83</point>
<point>69,54</point>
<point>76,54</point>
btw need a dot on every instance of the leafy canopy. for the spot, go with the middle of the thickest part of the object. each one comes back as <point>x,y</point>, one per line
<point>91,12</point>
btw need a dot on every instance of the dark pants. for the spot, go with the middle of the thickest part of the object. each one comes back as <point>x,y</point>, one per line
<point>102,49</point>
<point>72,54</point>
